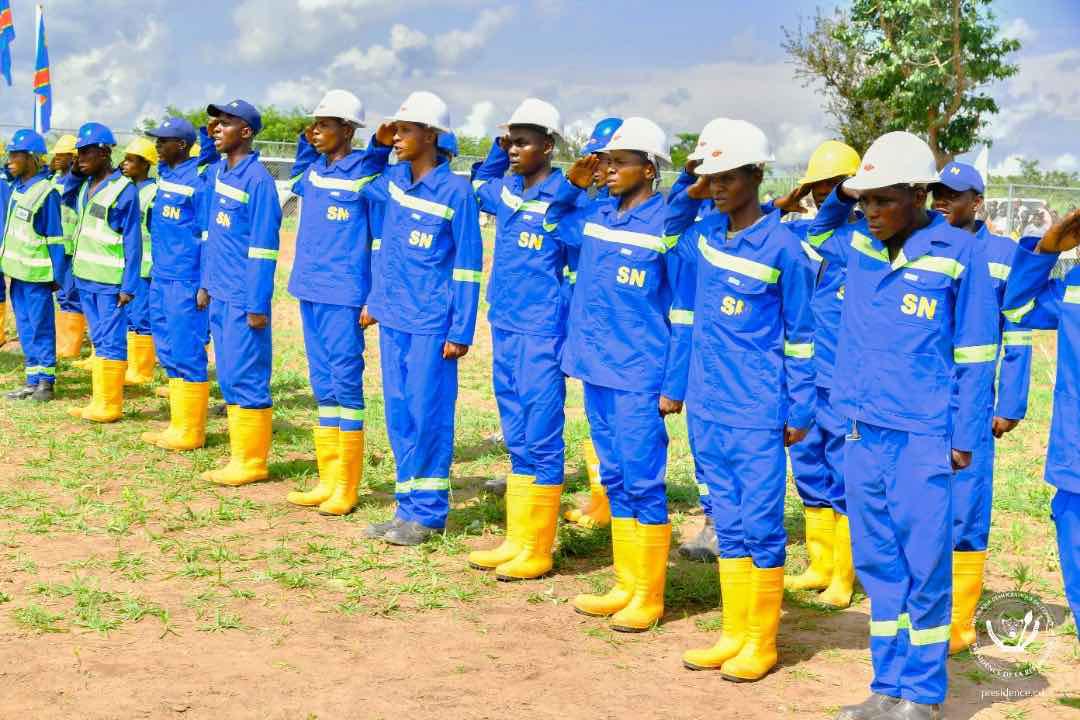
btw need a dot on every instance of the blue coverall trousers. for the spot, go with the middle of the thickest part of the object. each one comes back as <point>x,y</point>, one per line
<point>179,329</point>
<point>35,320</point>
<point>530,389</point>
<point>139,309</point>
<point>818,461</point>
<point>334,342</point>
<point>1065,509</point>
<point>973,498</point>
<point>420,393</point>
<point>631,442</point>
<point>108,324</point>
<point>745,471</point>
<point>900,503</point>
<point>243,356</point>
<point>67,297</point>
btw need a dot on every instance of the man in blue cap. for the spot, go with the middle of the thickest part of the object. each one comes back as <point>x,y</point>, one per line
<point>243,221</point>
<point>959,195</point>
<point>106,263</point>
<point>178,319</point>
<point>32,255</point>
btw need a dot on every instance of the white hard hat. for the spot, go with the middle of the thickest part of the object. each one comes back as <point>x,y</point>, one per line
<point>425,108</point>
<point>642,135</point>
<point>533,111</point>
<point>896,158</point>
<point>341,104</point>
<point>706,132</point>
<point>726,144</point>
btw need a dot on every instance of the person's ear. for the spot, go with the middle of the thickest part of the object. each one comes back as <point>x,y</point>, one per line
<point>650,171</point>
<point>549,145</point>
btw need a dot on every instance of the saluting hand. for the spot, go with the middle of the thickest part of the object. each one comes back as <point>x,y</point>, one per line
<point>792,202</point>
<point>1065,235</point>
<point>384,134</point>
<point>504,142</point>
<point>309,133</point>
<point>582,171</point>
<point>453,350</point>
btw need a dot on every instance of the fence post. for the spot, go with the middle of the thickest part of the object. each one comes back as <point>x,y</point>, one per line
<point>1009,223</point>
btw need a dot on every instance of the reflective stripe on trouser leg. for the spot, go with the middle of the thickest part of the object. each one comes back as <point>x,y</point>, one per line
<point>107,323</point>
<point>530,390</point>
<point>899,500</point>
<point>35,321</point>
<point>1065,509</point>
<point>746,472</point>
<point>420,393</point>
<point>243,356</point>
<point>699,472</point>
<point>67,297</point>
<point>631,439</point>
<point>812,459</point>
<point>334,342</point>
<point>138,310</point>
<point>179,329</point>
<point>973,497</point>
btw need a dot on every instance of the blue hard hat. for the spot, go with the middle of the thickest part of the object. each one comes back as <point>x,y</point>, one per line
<point>93,133</point>
<point>448,143</point>
<point>961,176</point>
<point>27,141</point>
<point>174,127</point>
<point>601,135</point>
<point>238,108</point>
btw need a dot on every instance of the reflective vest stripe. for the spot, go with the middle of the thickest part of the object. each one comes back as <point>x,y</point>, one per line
<point>945,266</point>
<point>864,245</point>
<point>25,253</point>
<point>99,250</point>
<point>626,237</point>
<point>811,253</point>
<point>175,188</point>
<point>327,183</point>
<point>516,204</point>
<point>146,203</point>
<point>230,192</point>
<point>737,264</point>
<point>415,203</point>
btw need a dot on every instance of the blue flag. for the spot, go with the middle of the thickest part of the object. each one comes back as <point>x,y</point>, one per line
<point>42,82</point>
<point>7,36</point>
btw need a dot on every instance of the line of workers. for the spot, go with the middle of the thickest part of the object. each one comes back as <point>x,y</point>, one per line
<point>887,404</point>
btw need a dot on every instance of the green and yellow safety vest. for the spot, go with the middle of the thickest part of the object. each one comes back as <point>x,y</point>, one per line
<point>25,254</point>
<point>69,219</point>
<point>146,204</point>
<point>99,250</point>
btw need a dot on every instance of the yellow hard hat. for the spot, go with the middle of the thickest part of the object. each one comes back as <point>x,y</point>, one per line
<point>143,148</point>
<point>195,150</point>
<point>65,145</point>
<point>831,159</point>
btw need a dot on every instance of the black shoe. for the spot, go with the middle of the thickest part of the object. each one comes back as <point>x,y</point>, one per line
<point>907,710</point>
<point>496,485</point>
<point>43,393</point>
<point>220,410</point>
<point>378,530</point>
<point>410,533</point>
<point>872,708</point>
<point>703,547</point>
<point>21,394</point>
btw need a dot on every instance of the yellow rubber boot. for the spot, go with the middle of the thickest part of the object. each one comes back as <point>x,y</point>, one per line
<point>87,363</point>
<point>70,329</point>
<point>97,386</point>
<point>328,462</point>
<point>189,433</point>
<point>347,491</point>
<point>758,654</point>
<point>968,568</point>
<point>249,443</point>
<point>820,530</point>
<point>647,606</point>
<point>517,516</point>
<point>624,553</point>
<point>842,585</point>
<point>107,380</point>
<point>141,359</point>
<point>535,559</point>
<point>735,574</point>
<point>3,323</point>
<point>175,413</point>
<point>597,511</point>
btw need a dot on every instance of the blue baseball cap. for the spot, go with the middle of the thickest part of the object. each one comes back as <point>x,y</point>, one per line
<point>175,127</point>
<point>448,143</point>
<point>960,177</point>
<point>27,141</point>
<point>601,135</point>
<point>238,108</point>
<point>93,133</point>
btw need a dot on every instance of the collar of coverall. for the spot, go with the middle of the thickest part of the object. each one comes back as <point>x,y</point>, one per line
<point>546,188</point>
<point>644,212</point>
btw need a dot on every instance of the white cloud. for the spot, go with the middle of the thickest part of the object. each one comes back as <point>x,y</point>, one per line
<point>478,121</point>
<point>1019,29</point>
<point>1067,162</point>
<point>453,46</point>
<point>794,143</point>
<point>1009,166</point>
<point>304,93</point>
<point>403,38</point>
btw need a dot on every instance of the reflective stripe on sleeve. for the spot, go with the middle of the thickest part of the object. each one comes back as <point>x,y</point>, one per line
<point>467,275</point>
<point>258,253</point>
<point>864,245</point>
<point>803,351</point>
<point>819,239</point>
<point>376,244</point>
<point>681,317</point>
<point>175,188</point>
<point>231,192</point>
<point>1072,294</point>
<point>1017,314</point>
<point>1017,337</point>
<point>975,353</point>
<point>999,271</point>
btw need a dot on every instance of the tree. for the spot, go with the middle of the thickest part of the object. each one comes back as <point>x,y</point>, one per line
<point>277,125</point>
<point>686,142</point>
<point>916,65</point>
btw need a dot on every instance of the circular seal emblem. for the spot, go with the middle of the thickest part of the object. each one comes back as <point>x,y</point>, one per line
<point>1013,634</point>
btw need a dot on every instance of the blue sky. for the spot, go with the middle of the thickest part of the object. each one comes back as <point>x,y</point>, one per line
<point>679,62</point>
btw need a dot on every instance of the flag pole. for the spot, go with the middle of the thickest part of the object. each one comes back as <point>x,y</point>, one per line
<point>37,41</point>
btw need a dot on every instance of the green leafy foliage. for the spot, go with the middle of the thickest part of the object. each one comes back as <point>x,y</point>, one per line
<point>278,125</point>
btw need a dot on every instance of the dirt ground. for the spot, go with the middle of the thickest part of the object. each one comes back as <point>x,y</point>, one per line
<point>131,589</point>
